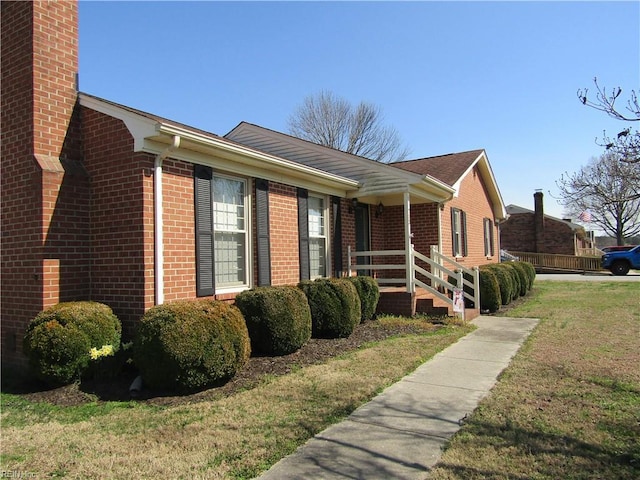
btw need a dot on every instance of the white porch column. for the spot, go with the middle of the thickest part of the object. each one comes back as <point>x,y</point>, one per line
<point>408,247</point>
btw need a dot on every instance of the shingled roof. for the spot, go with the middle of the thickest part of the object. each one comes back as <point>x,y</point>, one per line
<point>446,168</point>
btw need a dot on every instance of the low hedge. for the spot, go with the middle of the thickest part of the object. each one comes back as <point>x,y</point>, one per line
<point>278,318</point>
<point>490,299</point>
<point>524,278</point>
<point>505,280</point>
<point>62,341</point>
<point>335,307</point>
<point>369,294</point>
<point>530,271</point>
<point>191,344</point>
<point>516,278</point>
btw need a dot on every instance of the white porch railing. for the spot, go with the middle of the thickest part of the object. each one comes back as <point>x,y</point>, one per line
<point>415,276</point>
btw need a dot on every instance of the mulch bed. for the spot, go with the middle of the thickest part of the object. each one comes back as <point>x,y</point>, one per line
<point>313,352</point>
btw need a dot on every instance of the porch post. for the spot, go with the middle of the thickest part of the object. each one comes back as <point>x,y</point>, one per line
<point>408,247</point>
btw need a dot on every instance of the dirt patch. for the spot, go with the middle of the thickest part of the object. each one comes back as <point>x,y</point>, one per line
<point>313,352</point>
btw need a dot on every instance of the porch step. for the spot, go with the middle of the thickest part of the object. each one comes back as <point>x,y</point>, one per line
<point>397,301</point>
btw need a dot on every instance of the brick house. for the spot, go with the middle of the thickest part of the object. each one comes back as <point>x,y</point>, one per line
<point>534,231</point>
<point>104,202</point>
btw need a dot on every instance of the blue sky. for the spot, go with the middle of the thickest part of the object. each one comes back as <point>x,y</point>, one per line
<point>449,76</point>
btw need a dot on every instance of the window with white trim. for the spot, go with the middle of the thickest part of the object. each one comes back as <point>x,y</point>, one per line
<point>459,232</point>
<point>488,238</point>
<point>317,237</point>
<point>222,246</point>
<point>230,231</point>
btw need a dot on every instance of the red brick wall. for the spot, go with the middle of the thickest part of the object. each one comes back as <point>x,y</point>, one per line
<point>348,225</point>
<point>44,190</point>
<point>122,247</point>
<point>474,201</point>
<point>179,231</point>
<point>518,233</point>
<point>283,233</point>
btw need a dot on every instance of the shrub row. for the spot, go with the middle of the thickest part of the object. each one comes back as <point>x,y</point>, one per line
<point>192,344</point>
<point>501,283</point>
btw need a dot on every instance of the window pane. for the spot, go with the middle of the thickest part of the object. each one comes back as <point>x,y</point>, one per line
<point>317,257</point>
<point>316,217</point>
<point>228,204</point>
<point>229,251</point>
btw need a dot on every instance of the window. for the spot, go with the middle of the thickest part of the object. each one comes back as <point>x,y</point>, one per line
<point>488,238</point>
<point>317,238</point>
<point>229,226</point>
<point>459,232</point>
<point>221,231</point>
<point>312,235</point>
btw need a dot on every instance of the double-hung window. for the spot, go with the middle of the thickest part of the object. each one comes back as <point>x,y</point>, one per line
<point>230,231</point>
<point>313,234</point>
<point>221,232</point>
<point>459,232</point>
<point>488,238</point>
<point>317,237</point>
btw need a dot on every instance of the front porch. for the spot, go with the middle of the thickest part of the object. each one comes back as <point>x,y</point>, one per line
<point>420,284</point>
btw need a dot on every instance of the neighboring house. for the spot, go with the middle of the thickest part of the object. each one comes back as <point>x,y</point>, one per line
<point>104,202</point>
<point>533,231</point>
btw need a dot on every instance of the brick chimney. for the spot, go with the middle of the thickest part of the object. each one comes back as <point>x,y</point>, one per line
<point>40,144</point>
<point>538,220</point>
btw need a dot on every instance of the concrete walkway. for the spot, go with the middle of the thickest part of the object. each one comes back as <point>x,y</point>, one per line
<point>400,433</point>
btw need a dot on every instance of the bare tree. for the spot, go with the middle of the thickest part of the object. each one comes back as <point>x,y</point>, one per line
<point>607,190</point>
<point>332,121</point>
<point>626,144</point>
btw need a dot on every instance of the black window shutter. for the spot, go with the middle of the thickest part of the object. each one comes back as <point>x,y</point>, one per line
<point>337,237</point>
<point>262,232</point>
<point>303,233</point>
<point>492,245</point>
<point>463,234</point>
<point>203,194</point>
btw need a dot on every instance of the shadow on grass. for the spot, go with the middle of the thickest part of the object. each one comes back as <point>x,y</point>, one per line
<point>552,455</point>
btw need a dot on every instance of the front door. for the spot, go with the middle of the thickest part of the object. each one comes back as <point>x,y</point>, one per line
<point>363,235</point>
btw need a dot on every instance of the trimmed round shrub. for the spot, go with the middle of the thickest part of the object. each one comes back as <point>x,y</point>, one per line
<point>59,340</point>
<point>335,307</point>
<point>191,344</point>
<point>489,291</point>
<point>524,278</point>
<point>369,294</point>
<point>505,281</point>
<point>278,318</point>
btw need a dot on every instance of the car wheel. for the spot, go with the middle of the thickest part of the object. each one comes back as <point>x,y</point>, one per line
<point>620,268</point>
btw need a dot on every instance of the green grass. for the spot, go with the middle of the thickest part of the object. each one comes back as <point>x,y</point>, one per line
<point>237,436</point>
<point>568,405</point>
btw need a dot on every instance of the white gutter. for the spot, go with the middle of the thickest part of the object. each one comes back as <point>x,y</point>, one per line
<point>158,224</point>
<point>274,161</point>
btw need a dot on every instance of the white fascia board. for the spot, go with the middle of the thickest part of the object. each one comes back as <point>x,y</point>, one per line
<point>265,165</point>
<point>233,164</point>
<point>499,209</point>
<point>139,126</point>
